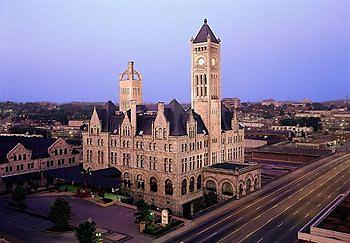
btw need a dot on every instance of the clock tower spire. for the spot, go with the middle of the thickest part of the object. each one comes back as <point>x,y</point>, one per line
<point>205,82</point>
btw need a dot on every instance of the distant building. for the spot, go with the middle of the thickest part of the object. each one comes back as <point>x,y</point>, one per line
<point>268,102</point>
<point>279,153</point>
<point>232,103</point>
<point>319,142</point>
<point>24,159</point>
<point>76,123</point>
<point>294,129</point>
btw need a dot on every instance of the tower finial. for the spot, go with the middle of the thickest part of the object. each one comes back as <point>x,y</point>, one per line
<point>205,21</point>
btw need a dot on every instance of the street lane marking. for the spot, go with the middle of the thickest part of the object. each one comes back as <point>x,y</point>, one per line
<point>307,215</point>
<point>280,225</point>
<point>296,212</point>
<point>319,205</point>
<point>239,219</point>
<point>298,181</point>
<point>261,239</point>
<point>221,240</point>
<point>292,228</point>
<point>257,216</point>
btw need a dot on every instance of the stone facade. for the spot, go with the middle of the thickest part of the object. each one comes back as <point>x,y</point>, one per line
<point>25,155</point>
<point>161,153</point>
<point>232,180</point>
<point>130,87</point>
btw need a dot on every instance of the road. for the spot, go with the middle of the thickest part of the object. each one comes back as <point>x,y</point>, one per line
<point>278,211</point>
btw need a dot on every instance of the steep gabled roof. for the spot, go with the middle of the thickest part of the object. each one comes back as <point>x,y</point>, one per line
<point>226,117</point>
<point>176,115</point>
<point>38,146</point>
<point>203,34</point>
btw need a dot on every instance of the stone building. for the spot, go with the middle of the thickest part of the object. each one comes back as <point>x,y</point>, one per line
<point>161,153</point>
<point>24,159</point>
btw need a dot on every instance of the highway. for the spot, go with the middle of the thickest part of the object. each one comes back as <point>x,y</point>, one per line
<point>275,213</point>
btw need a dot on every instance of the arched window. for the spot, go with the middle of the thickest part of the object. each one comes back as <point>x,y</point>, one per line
<point>256,183</point>
<point>127,182</point>
<point>240,189</point>
<point>153,184</point>
<point>199,182</point>
<point>183,187</point>
<point>168,187</point>
<point>227,189</point>
<point>248,185</point>
<point>192,184</point>
<point>210,186</point>
<point>139,182</point>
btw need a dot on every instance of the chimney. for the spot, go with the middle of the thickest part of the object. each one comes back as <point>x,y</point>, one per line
<point>133,114</point>
<point>160,106</point>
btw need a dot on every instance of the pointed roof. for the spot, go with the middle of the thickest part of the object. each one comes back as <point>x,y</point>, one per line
<point>203,34</point>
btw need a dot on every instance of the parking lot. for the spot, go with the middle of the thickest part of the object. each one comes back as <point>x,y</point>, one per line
<point>116,222</point>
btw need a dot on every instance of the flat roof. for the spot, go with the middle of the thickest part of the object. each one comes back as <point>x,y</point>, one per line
<point>292,150</point>
<point>338,219</point>
<point>229,166</point>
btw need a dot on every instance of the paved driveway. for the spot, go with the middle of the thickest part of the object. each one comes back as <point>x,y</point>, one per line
<point>114,218</point>
<point>26,228</point>
<point>118,220</point>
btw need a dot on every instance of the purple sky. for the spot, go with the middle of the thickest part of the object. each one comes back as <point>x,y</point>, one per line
<point>74,50</point>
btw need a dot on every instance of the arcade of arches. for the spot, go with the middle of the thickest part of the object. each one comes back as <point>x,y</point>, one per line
<point>228,183</point>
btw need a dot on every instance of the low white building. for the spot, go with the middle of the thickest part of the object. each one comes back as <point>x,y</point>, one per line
<point>295,129</point>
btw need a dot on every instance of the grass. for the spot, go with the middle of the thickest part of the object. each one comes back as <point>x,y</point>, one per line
<point>70,188</point>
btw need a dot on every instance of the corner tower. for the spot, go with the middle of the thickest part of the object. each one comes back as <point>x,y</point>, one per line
<point>130,87</point>
<point>206,85</point>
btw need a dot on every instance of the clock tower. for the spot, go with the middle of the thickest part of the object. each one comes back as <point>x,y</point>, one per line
<point>205,85</point>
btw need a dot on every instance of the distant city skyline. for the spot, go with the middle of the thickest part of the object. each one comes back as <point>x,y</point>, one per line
<point>75,51</point>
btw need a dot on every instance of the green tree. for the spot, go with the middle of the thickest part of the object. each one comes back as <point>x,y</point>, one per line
<point>86,232</point>
<point>18,197</point>
<point>144,212</point>
<point>60,214</point>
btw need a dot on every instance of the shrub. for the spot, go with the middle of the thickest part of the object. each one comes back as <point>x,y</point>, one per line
<point>18,197</point>
<point>60,214</point>
<point>86,232</point>
<point>143,213</point>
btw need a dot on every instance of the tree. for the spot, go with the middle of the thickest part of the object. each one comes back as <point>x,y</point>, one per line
<point>18,196</point>
<point>86,232</point>
<point>60,214</point>
<point>144,212</point>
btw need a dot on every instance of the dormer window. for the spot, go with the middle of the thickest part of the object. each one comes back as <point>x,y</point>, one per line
<point>126,131</point>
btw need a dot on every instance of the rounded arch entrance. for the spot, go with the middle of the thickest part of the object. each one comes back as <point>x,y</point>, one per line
<point>227,189</point>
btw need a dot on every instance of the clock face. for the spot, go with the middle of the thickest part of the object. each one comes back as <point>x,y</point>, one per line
<point>213,61</point>
<point>201,61</point>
